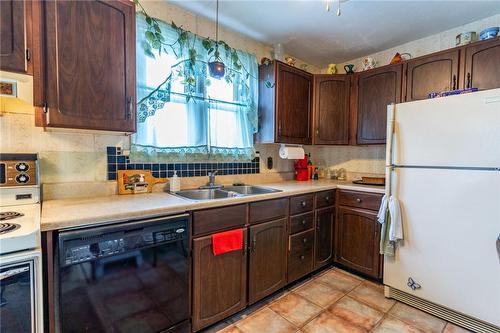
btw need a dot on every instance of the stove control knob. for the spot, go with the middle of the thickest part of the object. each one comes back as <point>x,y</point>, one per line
<point>22,167</point>
<point>22,178</point>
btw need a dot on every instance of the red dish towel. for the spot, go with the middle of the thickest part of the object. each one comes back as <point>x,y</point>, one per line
<point>227,241</point>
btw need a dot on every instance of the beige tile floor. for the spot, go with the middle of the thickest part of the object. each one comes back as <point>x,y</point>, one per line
<point>334,301</point>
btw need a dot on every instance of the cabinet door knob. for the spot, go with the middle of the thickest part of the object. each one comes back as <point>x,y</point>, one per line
<point>358,200</point>
<point>327,198</point>
<point>302,257</point>
<point>303,203</point>
<point>304,240</point>
<point>303,222</point>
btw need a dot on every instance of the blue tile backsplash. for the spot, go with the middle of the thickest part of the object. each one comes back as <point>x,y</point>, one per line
<point>117,161</point>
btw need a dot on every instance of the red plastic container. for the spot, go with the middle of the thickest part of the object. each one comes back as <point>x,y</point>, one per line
<point>301,172</point>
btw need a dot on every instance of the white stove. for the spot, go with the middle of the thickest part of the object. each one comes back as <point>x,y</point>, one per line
<point>20,253</point>
<point>19,228</point>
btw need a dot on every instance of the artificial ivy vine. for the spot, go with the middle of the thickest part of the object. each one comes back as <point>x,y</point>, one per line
<point>155,40</point>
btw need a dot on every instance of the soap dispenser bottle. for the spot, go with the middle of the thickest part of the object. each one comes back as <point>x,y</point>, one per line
<point>175,183</point>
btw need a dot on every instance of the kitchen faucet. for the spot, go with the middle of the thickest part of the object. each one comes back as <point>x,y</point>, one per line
<point>211,181</point>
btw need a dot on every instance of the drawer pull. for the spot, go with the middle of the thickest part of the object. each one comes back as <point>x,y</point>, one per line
<point>302,257</point>
<point>327,198</point>
<point>358,200</point>
<point>303,203</point>
<point>304,240</point>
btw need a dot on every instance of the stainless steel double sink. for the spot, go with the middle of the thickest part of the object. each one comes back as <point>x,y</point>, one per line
<point>234,191</point>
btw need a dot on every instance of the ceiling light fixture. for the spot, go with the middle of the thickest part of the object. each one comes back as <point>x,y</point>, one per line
<point>216,67</point>
<point>329,5</point>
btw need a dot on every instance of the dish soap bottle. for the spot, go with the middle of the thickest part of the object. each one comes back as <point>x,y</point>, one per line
<point>175,183</point>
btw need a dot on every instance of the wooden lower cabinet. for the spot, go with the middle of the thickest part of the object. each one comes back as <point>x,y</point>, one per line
<point>357,237</point>
<point>219,283</point>
<point>300,255</point>
<point>323,242</point>
<point>267,259</point>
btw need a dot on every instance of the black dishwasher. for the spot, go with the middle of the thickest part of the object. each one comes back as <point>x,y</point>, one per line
<point>128,277</point>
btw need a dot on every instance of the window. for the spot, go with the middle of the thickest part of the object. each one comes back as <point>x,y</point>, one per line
<point>206,118</point>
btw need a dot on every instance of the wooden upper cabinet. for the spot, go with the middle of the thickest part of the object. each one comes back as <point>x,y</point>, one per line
<point>331,109</point>
<point>357,237</point>
<point>481,65</point>
<point>376,89</point>
<point>219,283</point>
<point>15,36</point>
<point>434,73</point>
<point>88,79</point>
<point>285,101</point>
<point>267,260</point>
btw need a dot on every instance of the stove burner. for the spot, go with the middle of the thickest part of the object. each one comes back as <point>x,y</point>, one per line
<point>9,215</point>
<point>8,227</point>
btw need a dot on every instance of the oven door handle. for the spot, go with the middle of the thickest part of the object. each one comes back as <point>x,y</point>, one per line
<point>13,272</point>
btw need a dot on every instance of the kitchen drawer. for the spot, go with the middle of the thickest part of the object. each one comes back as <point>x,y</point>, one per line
<point>325,199</point>
<point>300,264</point>
<point>301,242</point>
<point>268,210</point>
<point>218,219</point>
<point>302,222</point>
<point>301,204</point>
<point>359,199</point>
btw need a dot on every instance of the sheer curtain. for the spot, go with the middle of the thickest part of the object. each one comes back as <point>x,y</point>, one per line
<point>181,116</point>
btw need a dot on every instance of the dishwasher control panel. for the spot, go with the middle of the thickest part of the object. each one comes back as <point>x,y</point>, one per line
<point>98,245</point>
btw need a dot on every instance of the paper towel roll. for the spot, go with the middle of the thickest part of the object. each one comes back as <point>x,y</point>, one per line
<point>291,152</point>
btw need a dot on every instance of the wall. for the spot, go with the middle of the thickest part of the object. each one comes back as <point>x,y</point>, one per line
<point>372,159</point>
<point>441,41</point>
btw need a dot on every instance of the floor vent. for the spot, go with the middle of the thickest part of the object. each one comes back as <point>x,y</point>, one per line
<point>460,319</point>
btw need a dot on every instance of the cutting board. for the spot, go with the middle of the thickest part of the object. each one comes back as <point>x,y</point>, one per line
<point>129,181</point>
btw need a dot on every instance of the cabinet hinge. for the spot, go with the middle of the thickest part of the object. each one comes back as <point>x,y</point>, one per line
<point>28,55</point>
<point>130,106</point>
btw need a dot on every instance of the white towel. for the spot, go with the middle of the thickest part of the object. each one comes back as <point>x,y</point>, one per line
<point>396,225</point>
<point>383,208</point>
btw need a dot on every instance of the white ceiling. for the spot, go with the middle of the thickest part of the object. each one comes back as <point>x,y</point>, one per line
<point>310,33</point>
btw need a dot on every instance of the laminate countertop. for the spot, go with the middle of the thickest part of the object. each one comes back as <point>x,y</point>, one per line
<point>75,213</point>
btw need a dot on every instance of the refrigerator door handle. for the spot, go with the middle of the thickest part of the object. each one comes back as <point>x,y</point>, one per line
<point>498,246</point>
<point>388,155</point>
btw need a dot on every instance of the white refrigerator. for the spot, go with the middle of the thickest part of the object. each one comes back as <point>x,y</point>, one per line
<point>443,164</point>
